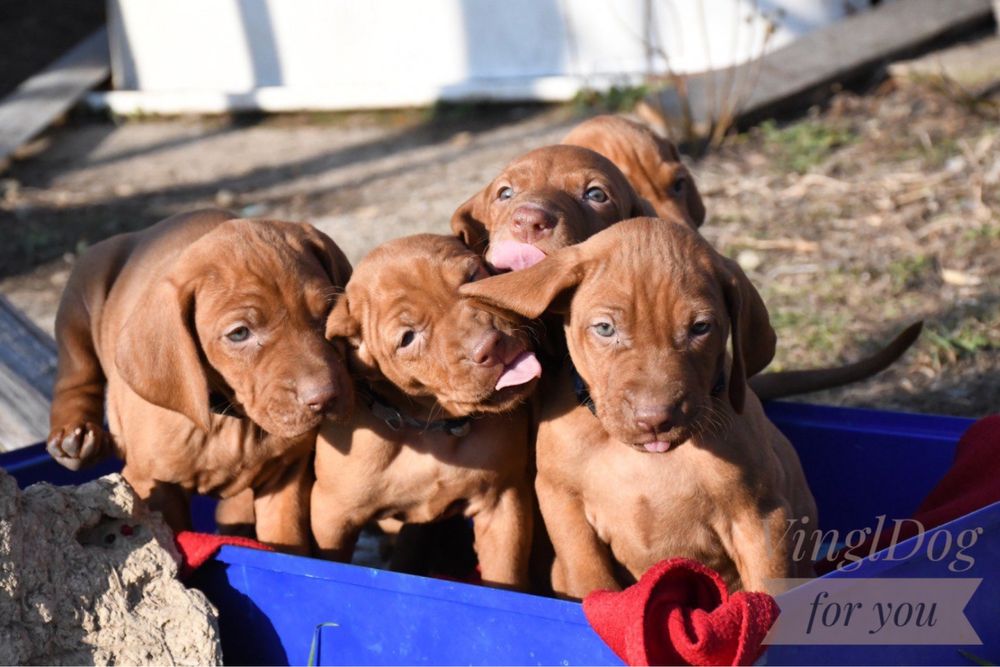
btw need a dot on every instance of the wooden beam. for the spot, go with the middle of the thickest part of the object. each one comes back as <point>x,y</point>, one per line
<point>836,52</point>
<point>52,92</point>
<point>27,374</point>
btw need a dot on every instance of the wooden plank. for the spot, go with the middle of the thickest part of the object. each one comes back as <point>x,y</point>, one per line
<point>833,53</point>
<point>27,375</point>
<point>49,94</point>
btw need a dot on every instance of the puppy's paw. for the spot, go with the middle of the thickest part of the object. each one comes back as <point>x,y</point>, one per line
<point>79,446</point>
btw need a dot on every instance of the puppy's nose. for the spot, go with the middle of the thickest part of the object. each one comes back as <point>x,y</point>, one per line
<point>486,351</point>
<point>530,223</point>
<point>654,418</point>
<point>317,397</point>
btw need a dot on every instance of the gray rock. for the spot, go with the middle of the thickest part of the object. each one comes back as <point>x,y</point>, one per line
<point>89,576</point>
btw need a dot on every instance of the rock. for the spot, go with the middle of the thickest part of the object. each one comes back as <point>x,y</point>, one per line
<point>89,576</point>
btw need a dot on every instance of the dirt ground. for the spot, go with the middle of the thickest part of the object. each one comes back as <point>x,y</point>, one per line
<point>855,220</point>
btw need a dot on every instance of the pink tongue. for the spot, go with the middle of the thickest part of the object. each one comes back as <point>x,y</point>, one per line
<point>656,446</point>
<point>524,368</point>
<point>514,255</point>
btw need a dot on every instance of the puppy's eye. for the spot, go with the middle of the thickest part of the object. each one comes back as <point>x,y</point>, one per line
<point>678,187</point>
<point>596,194</point>
<point>604,329</point>
<point>407,338</point>
<point>505,193</point>
<point>701,328</point>
<point>239,334</point>
<point>477,273</point>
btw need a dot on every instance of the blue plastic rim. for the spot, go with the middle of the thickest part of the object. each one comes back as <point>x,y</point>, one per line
<point>860,464</point>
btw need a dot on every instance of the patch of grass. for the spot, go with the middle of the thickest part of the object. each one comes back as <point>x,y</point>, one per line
<point>911,272</point>
<point>965,338</point>
<point>616,99</point>
<point>933,156</point>
<point>801,146</point>
<point>988,231</point>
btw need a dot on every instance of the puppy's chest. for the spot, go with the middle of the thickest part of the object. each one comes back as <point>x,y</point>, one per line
<point>647,507</point>
<point>424,477</point>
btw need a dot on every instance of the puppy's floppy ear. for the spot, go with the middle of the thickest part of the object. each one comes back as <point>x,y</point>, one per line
<point>468,222</point>
<point>158,354</point>
<point>692,200</point>
<point>341,323</point>
<point>753,338</point>
<point>530,292</point>
<point>329,254</point>
<point>641,208</point>
<point>344,324</point>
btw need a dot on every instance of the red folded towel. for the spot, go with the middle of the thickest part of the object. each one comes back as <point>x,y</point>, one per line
<point>680,613</point>
<point>196,548</point>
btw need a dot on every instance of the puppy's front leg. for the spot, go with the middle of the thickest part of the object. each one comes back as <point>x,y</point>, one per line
<point>77,437</point>
<point>760,548</point>
<point>281,509</point>
<point>170,500</point>
<point>503,538</point>
<point>584,562</point>
<point>335,526</point>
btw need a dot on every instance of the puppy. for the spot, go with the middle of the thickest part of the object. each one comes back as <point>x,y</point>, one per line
<point>556,196</point>
<point>545,200</point>
<point>651,164</point>
<point>439,428</point>
<point>652,446</point>
<point>205,333</point>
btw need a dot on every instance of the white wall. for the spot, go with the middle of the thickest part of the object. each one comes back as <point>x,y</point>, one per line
<point>378,53</point>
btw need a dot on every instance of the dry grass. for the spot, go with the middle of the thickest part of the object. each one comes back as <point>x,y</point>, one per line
<point>882,210</point>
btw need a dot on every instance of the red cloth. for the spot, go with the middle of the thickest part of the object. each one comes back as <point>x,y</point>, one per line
<point>680,613</point>
<point>196,548</point>
<point>971,483</point>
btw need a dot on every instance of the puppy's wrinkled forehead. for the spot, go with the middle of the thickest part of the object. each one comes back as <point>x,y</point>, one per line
<point>253,260</point>
<point>645,260</point>
<point>561,167</point>
<point>425,267</point>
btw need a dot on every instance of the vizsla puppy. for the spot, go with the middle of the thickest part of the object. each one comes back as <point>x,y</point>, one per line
<point>544,200</point>
<point>652,446</point>
<point>650,163</point>
<point>440,428</point>
<point>556,196</point>
<point>206,335</point>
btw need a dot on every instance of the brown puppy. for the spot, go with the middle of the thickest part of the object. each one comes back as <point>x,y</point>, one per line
<point>556,196</point>
<point>440,428</point>
<point>206,333</point>
<point>544,200</point>
<point>651,164</point>
<point>676,457</point>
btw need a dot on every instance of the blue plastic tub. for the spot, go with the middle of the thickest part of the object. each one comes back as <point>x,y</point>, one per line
<point>860,464</point>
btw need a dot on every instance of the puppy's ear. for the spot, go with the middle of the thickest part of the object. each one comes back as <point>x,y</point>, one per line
<point>158,353</point>
<point>753,338</point>
<point>530,292</point>
<point>692,198</point>
<point>467,222</point>
<point>692,201</point>
<point>329,254</point>
<point>641,208</point>
<point>341,323</point>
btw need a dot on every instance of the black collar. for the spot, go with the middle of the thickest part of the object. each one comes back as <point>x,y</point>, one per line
<point>582,391</point>
<point>394,419</point>
<point>221,404</point>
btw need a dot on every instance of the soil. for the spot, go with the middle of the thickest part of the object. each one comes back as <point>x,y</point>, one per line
<point>855,220</point>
